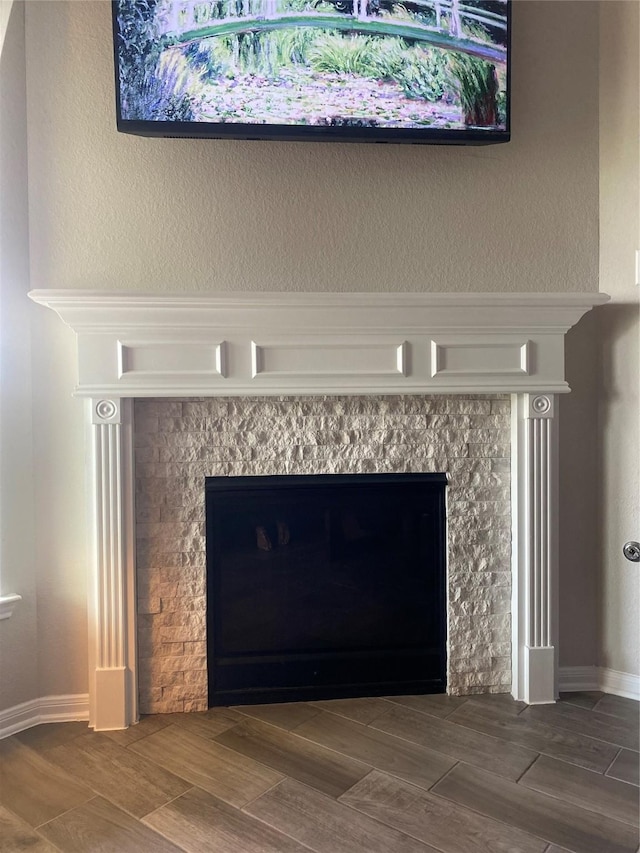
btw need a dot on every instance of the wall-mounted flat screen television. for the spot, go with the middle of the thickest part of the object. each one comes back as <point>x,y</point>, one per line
<point>423,71</point>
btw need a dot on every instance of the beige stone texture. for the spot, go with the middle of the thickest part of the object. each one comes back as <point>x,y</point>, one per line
<point>180,442</point>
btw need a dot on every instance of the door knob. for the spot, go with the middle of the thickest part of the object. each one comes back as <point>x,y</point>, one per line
<point>631,550</point>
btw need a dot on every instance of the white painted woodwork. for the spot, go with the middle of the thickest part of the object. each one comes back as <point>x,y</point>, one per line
<point>146,360</point>
<point>113,702</point>
<point>535,547</point>
<point>328,359</point>
<point>45,709</point>
<point>136,345</point>
<point>7,603</point>
<point>358,343</point>
<point>576,679</point>
<point>540,678</point>
<point>463,356</point>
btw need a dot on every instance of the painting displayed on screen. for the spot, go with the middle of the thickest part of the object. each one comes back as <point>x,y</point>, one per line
<point>385,70</point>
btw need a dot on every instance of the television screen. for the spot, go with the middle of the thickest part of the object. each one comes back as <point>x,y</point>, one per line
<point>355,70</point>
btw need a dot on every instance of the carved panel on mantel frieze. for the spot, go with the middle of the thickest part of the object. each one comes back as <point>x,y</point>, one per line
<point>321,343</point>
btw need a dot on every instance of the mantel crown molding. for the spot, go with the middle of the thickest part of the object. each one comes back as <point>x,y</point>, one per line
<point>89,309</point>
<point>156,344</point>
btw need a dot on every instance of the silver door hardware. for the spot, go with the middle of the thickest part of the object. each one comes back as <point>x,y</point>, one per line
<point>631,550</point>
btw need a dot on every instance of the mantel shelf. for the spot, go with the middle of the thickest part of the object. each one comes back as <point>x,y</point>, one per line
<point>154,344</point>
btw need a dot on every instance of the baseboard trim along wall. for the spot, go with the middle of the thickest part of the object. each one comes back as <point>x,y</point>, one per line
<point>620,683</point>
<point>46,709</point>
<point>75,707</point>
<point>573,679</point>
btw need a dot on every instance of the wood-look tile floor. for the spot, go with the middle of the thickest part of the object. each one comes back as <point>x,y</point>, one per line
<point>411,774</point>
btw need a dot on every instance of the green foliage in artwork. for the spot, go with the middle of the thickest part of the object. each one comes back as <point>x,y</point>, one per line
<point>336,54</point>
<point>423,76</point>
<point>477,87</point>
<point>420,73</point>
<point>150,89</point>
<point>291,46</point>
<point>264,54</point>
<point>475,82</point>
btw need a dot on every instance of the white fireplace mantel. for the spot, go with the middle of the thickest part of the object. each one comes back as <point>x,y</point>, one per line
<point>140,345</point>
<point>299,343</point>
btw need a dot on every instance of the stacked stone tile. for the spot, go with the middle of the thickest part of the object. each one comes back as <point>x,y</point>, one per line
<point>180,442</point>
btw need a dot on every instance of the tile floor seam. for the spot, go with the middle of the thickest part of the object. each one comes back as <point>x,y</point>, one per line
<point>66,811</point>
<point>467,725</point>
<point>35,829</point>
<point>422,711</point>
<point>582,734</point>
<point>373,767</point>
<point>493,818</point>
<point>352,719</point>
<point>142,818</point>
<point>47,841</point>
<point>557,725</point>
<point>444,775</point>
<point>559,798</point>
<point>265,823</point>
<point>448,755</point>
<point>607,713</point>
<point>226,749</point>
<point>348,806</point>
<point>118,805</point>
<point>461,806</point>
<point>244,810</point>
<point>413,743</point>
<point>254,799</point>
<point>285,775</point>
<point>166,838</point>
<point>427,845</point>
<point>524,772</point>
<point>617,756</point>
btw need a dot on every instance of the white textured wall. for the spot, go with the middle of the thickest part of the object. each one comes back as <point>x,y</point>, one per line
<point>61,545</point>
<point>116,211</point>
<point>578,497</point>
<point>43,648</point>
<point>18,635</point>
<point>619,416</point>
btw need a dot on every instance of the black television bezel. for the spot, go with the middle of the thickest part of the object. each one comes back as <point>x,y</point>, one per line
<point>309,133</point>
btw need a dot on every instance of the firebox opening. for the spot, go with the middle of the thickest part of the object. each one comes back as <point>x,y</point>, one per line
<point>325,586</point>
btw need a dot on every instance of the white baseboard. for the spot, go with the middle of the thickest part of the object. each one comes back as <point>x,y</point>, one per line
<point>46,709</point>
<point>619,683</point>
<point>75,707</point>
<point>573,679</point>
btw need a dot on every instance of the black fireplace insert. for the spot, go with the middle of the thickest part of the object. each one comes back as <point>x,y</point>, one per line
<point>325,586</point>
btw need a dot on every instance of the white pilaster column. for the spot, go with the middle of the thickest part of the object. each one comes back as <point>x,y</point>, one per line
<point>112,630</point>
<point>535,553</point>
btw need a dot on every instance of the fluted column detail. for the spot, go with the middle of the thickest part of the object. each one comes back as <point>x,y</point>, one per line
<point>535,548</point>
<point>113,694</point>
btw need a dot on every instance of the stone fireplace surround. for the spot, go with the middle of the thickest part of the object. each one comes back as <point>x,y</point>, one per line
<point>385,354</point>
<point>177,443</point>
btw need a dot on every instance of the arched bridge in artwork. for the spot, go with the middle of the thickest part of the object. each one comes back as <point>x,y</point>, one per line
<point>194,20</point>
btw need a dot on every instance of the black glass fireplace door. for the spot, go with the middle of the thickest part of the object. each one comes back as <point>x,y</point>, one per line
<point>325,586</point>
